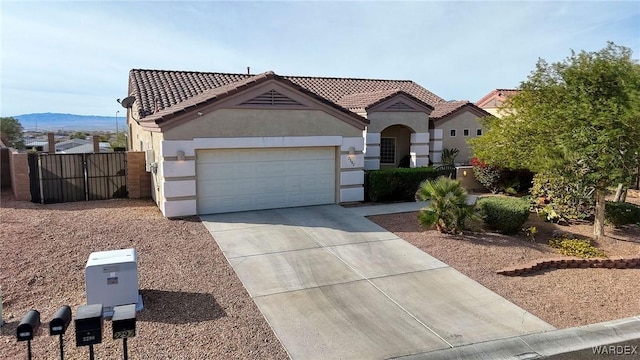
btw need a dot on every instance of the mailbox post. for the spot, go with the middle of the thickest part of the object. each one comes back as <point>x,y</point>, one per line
<point>27,328</point>
<point>89,324</point>
<point>59,324</point>
<point>123,323</point>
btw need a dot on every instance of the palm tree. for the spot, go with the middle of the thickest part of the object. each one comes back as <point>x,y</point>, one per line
<point>447,209</point>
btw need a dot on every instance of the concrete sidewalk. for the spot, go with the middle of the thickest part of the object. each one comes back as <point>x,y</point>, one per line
<point>401,207</point>
<point>334,285</point>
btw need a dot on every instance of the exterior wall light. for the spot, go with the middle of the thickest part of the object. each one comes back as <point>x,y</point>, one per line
<point>464,173</point>
<point>180,155</point>
<point>352,156</point>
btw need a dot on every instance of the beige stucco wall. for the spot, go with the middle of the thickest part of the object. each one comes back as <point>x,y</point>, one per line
<point>464,120</point>
<point>492,111</point>
<point>417,121</point>
<point>258,122</point>
<point>402,135</point>
<point>142,140</point>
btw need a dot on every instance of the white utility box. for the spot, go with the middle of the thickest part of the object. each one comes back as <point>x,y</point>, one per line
<point>111,278</point>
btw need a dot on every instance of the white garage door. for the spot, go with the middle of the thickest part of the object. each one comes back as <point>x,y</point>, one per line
<point>250,179</point>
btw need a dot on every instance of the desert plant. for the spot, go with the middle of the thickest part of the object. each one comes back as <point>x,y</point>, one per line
<point>621,213</point>
<point>575,247</point>
<point>506,215</point>
<point>447,209</point>
<point>449,156</point>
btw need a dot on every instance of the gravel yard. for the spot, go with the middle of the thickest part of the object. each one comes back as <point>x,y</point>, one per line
<point>564,297</point>
<point>195,306</point>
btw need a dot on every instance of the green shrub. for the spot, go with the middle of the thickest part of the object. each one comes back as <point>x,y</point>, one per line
<point>621,213</point>
<point>565,199</point>
<point>506,215</point>
<point>487,175</point>
<point>447,209</point>
<point>396,184</point>
<point>575,247</point>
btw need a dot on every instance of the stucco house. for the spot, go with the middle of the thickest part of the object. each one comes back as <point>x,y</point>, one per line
<point>71,146</point>
<point>493,101</point>
<point>218,142</point>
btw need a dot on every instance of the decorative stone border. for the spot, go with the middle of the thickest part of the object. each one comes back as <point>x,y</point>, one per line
<point>614,262</point>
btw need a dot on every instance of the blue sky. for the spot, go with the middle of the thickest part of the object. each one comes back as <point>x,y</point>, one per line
<point>74,57</point>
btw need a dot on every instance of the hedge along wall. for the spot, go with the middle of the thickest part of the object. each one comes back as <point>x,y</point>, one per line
<point>396,184</point>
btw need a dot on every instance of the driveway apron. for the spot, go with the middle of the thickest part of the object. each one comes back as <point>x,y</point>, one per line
<point>334,285</point>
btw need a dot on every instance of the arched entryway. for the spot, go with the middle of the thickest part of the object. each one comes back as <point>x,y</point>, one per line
<point>395,147</point>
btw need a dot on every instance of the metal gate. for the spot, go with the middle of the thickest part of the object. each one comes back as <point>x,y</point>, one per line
<point>58,178</point>
<point>447,170</point>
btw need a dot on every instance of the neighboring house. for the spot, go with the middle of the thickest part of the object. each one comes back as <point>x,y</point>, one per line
<point>231,142</point>
<point>81,146</point>
<point>492,102</point>
<point>39,145</point>
<point>72,146</point>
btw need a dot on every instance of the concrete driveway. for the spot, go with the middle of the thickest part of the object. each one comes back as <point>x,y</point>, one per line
<point>334,285</point>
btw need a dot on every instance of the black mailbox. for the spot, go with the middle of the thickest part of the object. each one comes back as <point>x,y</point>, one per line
<point>28,326</point>
<point>89,325</point>
<point>123,321</point>
<point>58,325</point>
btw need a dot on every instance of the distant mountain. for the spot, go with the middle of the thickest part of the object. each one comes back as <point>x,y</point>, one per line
<point>67,122</point>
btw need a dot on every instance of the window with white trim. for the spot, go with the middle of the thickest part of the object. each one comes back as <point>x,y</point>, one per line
<point>479,132</point>
<point>465,132</point>
<point>452,133</point>
<point>387,150</point>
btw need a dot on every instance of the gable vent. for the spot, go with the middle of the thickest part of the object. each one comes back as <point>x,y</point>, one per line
<point>400,106</point>
<point>272,98</point>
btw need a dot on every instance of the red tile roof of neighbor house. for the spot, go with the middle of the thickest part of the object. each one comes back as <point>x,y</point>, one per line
<point>491,99</point>
<point>160,93</point>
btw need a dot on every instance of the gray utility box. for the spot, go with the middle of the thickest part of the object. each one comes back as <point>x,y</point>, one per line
<point>111,278</point>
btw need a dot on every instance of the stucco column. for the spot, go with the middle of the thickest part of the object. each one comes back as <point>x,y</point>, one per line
<point>419,149</point>
<point>436,145</point>
<point>351,169</point>
<point>178,172</point>
<point>372,152</point>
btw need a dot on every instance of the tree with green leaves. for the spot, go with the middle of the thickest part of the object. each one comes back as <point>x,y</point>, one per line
<point>11,132</point>
<point>578,118</point>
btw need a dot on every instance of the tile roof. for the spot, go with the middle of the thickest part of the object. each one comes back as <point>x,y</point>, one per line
<point>224,90</point>
<point>365,101</point>
<point>161,93</point>
<point>447,108</point>
<point>335,89</point>
<point>496,95</point>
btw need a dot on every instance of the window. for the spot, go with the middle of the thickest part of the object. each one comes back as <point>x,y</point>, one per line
<point>387,150</point>
<point>453,132</point>
<point>479,132</point>
<point>465,132</point>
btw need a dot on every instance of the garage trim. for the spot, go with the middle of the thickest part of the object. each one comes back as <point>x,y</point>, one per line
<point>348,188</point>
